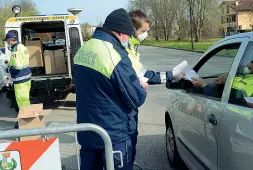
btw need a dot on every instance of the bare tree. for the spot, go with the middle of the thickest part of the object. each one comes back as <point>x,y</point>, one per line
<point>199,9</point>
<point>168,16</point>
<point>182,24</point>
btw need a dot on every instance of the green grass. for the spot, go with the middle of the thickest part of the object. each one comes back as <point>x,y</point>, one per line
<point>200,46</point>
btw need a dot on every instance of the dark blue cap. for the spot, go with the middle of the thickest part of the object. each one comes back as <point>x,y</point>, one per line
<point>119,21</point>
<point>10,35</point>
<point>252,61</point>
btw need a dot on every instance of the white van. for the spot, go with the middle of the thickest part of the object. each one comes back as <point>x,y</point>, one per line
<point>52,42</point>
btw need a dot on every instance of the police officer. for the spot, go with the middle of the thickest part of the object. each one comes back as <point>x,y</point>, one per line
<point>107,91</point>
<point>242,85</point>
<point>19,69</point>
<point>141,27</point>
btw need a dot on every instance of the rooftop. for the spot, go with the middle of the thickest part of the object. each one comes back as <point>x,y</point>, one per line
<point>243,5</point>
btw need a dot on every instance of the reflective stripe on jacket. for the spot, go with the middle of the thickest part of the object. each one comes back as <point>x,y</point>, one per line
<point>19,64</point>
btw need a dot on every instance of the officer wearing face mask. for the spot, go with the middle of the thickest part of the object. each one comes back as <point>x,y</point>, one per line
<point>141,26</point>
<point>244,82</point>
<point>107,91</point>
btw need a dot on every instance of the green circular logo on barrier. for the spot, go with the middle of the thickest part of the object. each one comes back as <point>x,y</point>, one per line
<point>8,165</point>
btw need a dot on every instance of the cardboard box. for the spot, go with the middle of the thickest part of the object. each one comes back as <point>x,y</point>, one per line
<point>35,52</point>
<point>55,62</point>
<point>32,116</point>
<point>50,65</point>
<point>60,61</point>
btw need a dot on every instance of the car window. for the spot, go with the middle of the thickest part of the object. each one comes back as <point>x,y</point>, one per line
<point>220,61</point>
<point>242,86</point>
<point>214,70</point>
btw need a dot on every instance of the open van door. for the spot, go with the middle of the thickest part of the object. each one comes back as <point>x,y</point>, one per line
<point>73,43</point>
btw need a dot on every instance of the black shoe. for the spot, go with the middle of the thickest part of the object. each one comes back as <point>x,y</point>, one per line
<point>16,126</point>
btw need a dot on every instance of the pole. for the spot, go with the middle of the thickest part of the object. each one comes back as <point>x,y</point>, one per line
<point>191,22</point>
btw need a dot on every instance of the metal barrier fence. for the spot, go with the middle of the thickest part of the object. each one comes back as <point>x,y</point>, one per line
<point>66,129</point>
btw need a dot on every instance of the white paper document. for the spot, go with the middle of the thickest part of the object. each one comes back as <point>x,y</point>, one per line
<point>190,74</point>
<point>144,79</point>
<point>184,67</point>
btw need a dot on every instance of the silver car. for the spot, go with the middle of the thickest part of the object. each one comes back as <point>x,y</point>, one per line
<point>213,130</point>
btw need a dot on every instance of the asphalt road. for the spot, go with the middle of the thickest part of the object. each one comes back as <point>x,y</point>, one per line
<point>151,153</point>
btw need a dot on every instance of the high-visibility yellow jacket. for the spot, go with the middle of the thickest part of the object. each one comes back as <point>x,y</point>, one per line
<point>19,64</point>
<point>153,76</point>
<point>244,83</point>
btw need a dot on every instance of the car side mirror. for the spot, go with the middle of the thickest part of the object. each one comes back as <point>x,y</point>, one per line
<point>182,84</point>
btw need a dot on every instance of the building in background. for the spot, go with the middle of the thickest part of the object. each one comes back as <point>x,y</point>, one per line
<point>237,16</point>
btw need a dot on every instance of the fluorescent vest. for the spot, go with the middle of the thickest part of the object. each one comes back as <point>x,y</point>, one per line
<point>19,64</point>
<point>244,83</point>
<point>134,55</point>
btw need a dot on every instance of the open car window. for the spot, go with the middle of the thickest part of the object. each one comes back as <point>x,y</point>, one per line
<point>219,61</point>
<point>215,65</point>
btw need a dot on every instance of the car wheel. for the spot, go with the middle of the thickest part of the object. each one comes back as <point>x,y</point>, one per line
<point>171,147</point>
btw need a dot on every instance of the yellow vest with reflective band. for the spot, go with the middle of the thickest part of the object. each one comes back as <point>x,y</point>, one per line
<point>89,55</point>
<point>134,55</point>
<point>19,64</point>
<point>244,83</point>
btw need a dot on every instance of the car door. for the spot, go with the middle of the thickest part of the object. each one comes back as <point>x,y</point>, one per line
<point>236,127</point>
<point>198,115</point>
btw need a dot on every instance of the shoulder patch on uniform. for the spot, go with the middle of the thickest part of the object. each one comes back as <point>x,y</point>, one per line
<point>26,51</point>
<point>14,55</point>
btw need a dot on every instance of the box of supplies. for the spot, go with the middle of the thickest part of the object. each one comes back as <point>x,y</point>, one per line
<point>55,62</point>
<point>35,53</point>
<point>50,65</point>
<point>32,116</point>
<point>61,61</point>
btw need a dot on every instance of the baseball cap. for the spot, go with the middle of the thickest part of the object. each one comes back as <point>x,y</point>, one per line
<point>10,35</point>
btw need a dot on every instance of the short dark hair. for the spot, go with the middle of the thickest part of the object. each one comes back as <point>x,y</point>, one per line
<point>138,17</point>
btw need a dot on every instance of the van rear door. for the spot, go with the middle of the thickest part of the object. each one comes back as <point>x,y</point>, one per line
<point>74,42</point>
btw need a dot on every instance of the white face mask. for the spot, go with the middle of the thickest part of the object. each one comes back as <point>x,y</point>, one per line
<point>142,36</point>
<point>246,70</point>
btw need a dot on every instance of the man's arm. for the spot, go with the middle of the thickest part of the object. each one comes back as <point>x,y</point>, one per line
<point>156,77</point>
<point>127,84</point>
<point>210,90</point>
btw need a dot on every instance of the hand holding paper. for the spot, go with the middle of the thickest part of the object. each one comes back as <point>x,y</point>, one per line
<point>186,69</point>
<point>143,82</point>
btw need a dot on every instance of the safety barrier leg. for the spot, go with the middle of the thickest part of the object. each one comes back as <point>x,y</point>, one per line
<point>66,129</point>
